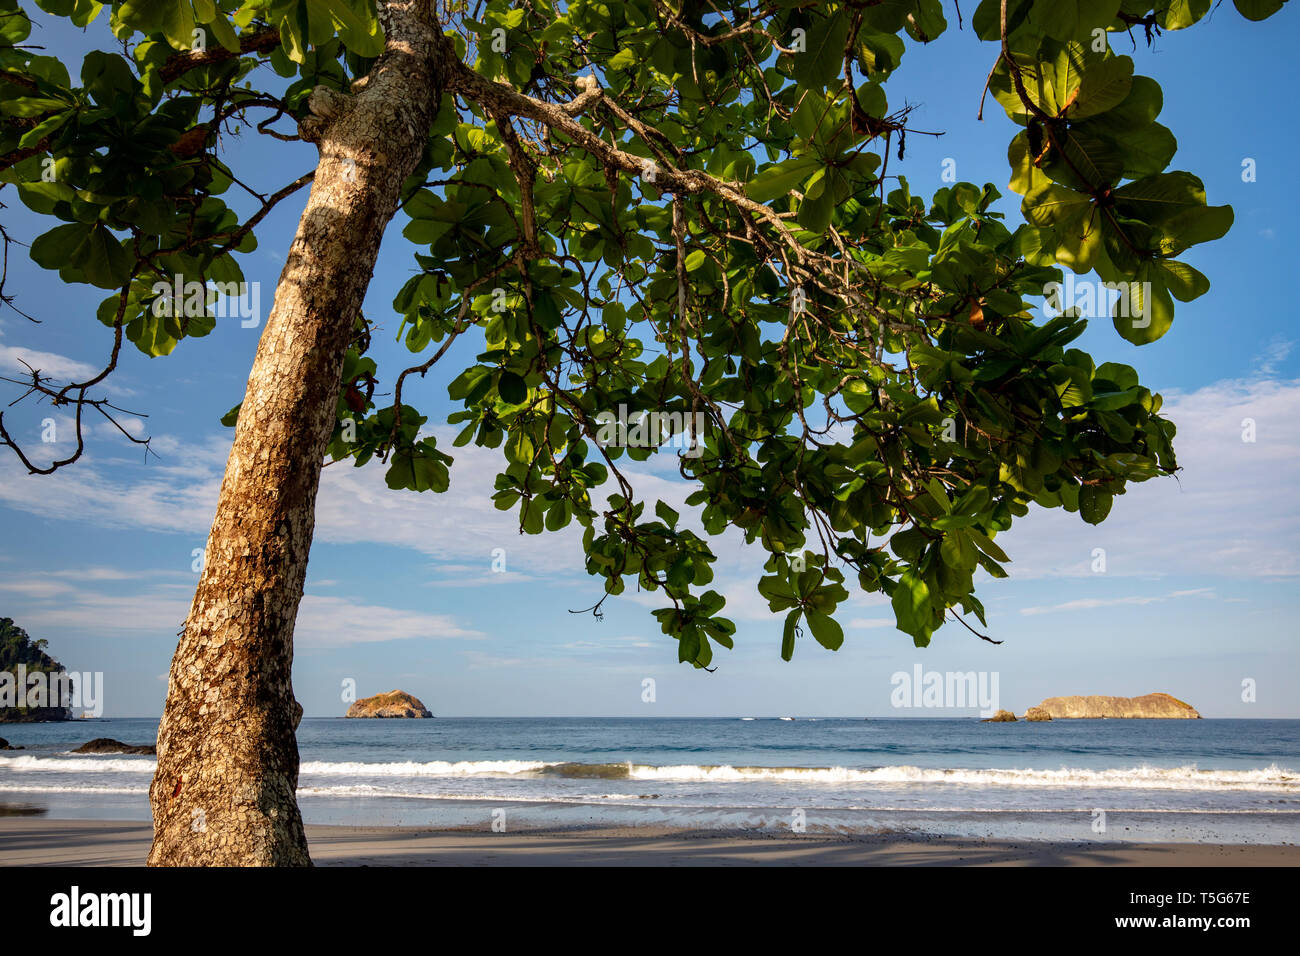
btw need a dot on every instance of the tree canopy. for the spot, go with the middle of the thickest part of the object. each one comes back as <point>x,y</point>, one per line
<point>17,647</point>
<point>676,207</point>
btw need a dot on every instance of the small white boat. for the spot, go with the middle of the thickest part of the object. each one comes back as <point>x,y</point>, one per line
<point>746,718</point>
<point>786,718</point>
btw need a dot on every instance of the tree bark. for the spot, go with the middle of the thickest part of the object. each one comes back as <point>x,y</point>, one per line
<point>224,790</point>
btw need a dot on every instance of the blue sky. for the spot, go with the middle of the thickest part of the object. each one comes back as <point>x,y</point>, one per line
<point>1199,591</point>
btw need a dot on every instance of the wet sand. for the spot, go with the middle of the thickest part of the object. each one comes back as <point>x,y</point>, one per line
<point>34,841</point>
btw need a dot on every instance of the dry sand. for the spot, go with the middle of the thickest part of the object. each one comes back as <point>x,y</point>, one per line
<point>30,841</point>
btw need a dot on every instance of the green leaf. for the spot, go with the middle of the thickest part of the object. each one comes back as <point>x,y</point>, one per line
<point>815,214</point>
<point>512,388</point>
<point>31,106</point>
<point>1071,19</point>
<point>1094,504</point>
<point>958,551</point>
<point>788,634</point>
<point>89,249</point>
<point>1105,85</point>
<point>778,180</point>
<point>42,196</point>
<point>356,23</point>
<point>45,128</point>
<point>825,630</point>
<point>224,32</point>
<point>174,19</point>
<point>926,22</point>
<point>986,545</point>
<point>1183,281</point>
<point>820,62</point>
<point>911,603</point>
<point>1071,216</point>
<point>1258,9</point>
<point>1179,14</point>
<point>108,79</point>
<point>1145,309</point>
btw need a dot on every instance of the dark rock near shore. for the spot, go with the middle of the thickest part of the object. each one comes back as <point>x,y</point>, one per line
<point>107,745</point>
<point>4,745</point>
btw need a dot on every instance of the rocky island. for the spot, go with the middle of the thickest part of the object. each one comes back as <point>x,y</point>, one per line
<point>396,703</point>
<point>1001,717</point>
<point>1154,706</point>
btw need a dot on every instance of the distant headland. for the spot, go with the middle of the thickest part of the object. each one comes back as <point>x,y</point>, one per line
<point>33,685</point>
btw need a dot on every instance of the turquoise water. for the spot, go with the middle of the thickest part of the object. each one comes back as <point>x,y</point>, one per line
<point>1235,781</point>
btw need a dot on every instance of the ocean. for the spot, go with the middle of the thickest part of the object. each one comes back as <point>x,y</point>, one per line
<point>1219,781</point>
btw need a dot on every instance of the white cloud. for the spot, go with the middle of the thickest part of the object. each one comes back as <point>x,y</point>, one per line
<point>157,606</point>
<point>336,622</point>
<point>460,528</point>
<point>1088,604</point>
<point>615,644</point>
<point>58,367</point>
<point>60,605</point>
<point>1231,511</point>
<point>176,494</point>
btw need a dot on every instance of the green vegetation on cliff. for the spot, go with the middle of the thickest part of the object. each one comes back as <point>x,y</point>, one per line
<point>17,648</point>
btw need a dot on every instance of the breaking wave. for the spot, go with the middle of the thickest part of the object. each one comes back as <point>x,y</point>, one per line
<point>1271,779</point>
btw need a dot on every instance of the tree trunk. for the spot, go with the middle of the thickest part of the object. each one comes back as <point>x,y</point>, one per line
<point>224,791</point>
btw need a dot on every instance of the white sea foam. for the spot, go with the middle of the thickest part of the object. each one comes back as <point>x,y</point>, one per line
<point>433,768</point>
<point>1272,779</point>
<point>86,764</point>
<point>1144,778</point>
<point>74,788</point>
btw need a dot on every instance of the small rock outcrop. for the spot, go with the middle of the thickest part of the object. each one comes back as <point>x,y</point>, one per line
<point>1001,717</point>
<point>396,703</point>
<point>1157,706</point>
<point>107,745</point>
<point>1037,713</point>
<point>4,745</point>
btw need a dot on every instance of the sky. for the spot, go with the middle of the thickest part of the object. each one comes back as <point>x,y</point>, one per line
<point>1198,594</point>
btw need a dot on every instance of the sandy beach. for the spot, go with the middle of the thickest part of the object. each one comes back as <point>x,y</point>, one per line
<point>28,841</point>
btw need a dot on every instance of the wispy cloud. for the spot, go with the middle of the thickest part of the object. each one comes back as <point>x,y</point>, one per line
<point>477,660</point>
<point>1274,354</point>
<point>17,361</point>
<point>336,622</point>
<point>14,360</point>
<point>1088,604</point>
<point>106,601</point>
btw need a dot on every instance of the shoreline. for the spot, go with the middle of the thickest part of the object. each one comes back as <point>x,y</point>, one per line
<point>35,841</point>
